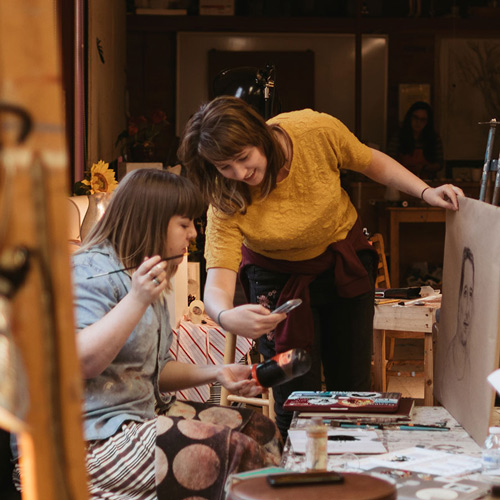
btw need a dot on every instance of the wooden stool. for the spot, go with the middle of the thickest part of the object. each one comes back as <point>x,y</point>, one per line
<point>354,487</point>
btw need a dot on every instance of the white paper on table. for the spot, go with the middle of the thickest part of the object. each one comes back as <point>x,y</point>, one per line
<point>492,472</point>
<point>425,461</point>
<point>494,379</point>
<point>359,441</point>
<point>418,486</point>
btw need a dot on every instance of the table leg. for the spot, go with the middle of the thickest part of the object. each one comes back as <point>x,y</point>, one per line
<point>379,361</point>
<point>428,370</point>
<point>394,249</point>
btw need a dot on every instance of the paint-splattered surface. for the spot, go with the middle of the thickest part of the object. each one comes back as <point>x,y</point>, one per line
<point>456,440</point>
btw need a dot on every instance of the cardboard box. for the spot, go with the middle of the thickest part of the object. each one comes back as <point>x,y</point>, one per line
<point>216,7</point>
<point>126,167</point>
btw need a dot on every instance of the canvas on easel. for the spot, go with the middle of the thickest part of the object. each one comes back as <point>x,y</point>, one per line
<point>468,339</point>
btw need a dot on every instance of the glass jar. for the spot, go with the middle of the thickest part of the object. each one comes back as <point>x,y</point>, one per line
<point>316,445</point>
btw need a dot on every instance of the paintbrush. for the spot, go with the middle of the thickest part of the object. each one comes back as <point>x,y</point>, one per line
<point>355,425</point>
<point>132,267</point>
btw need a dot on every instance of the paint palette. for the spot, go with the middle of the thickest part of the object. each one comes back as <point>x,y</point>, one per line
<point>343,401</point>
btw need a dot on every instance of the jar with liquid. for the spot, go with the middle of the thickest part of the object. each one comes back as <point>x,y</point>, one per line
<point>316,445</point>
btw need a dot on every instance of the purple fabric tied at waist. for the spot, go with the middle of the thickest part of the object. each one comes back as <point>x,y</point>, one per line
<point>351,280</point>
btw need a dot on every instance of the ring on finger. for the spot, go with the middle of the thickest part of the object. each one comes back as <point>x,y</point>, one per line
<point>156,282</point>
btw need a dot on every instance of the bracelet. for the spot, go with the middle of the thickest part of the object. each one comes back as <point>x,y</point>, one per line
<point>423,191</point>
<point>218,317</point>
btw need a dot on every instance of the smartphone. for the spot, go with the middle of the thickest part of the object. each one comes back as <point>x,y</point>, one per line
<point>300,478</point>
<point>288,306</point>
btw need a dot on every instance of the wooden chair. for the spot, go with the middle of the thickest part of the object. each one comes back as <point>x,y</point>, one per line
<point>266,401</point>
<point>383,281</point>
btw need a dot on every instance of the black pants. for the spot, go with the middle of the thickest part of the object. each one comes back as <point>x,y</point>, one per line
<point>343,331</point>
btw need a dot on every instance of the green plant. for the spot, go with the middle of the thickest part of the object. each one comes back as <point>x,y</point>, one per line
<point>137,141</point>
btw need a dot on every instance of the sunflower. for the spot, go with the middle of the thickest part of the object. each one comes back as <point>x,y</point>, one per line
<point>102,178</point>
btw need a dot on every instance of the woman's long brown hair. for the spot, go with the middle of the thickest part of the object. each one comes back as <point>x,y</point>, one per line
<point>137,217</point>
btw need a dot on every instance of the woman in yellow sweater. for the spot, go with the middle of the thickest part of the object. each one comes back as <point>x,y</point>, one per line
<point>279,217</point>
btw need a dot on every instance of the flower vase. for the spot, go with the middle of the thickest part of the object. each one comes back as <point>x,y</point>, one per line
<point>142,153</point>
<point>98,203</point>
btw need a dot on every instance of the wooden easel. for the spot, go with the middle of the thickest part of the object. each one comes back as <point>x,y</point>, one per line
<point>490,165</point>
<point>33,190</point>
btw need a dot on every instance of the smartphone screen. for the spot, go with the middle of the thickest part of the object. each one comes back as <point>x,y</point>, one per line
<point>288,306</point>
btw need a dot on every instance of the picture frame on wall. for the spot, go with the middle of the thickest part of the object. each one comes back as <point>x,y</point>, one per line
<point>468,79</point>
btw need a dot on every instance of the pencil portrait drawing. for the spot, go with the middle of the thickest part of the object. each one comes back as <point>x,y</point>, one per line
<point>468,328</point>
<point>460,344</point>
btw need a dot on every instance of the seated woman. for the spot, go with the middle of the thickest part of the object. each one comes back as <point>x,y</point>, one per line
<point>141,443</point>
<point>417,145</point>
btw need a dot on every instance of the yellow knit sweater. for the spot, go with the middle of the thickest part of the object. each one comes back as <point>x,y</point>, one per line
<point>308,210</point>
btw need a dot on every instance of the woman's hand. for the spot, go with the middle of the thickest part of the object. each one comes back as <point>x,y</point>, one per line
<point>249,320</point>
<point>148,281</point>
<point>445,196</point>
<point>100,343</point>
<point>235,378</point>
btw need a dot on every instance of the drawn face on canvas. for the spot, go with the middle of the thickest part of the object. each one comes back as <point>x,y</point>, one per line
<point>466,298</point>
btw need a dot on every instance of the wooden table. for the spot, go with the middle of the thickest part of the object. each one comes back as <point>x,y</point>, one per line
<point>456,440</point>
<point>398,216</point>
<point>408,321</point>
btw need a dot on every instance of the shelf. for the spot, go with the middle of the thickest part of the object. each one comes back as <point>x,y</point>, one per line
<point>425,26</point>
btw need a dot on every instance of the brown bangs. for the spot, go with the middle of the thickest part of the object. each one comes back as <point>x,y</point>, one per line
<point>225,144</point>
<point>189,202</point>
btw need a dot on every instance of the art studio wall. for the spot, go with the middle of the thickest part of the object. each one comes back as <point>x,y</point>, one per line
<point>106,80</point>
<point>416,52</point>
<point>333,78</point>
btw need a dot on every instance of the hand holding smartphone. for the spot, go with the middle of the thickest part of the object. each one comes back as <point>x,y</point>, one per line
<point>288,306</point>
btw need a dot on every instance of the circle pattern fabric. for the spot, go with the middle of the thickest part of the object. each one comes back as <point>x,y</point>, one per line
<point>198,445</point>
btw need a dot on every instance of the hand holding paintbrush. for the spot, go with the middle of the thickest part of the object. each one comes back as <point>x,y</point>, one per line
<point>132,267</point>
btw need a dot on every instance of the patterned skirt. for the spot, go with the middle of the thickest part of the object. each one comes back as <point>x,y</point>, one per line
<point>188,452</point>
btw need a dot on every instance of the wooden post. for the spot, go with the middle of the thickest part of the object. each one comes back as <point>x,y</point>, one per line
<point>34,185</point>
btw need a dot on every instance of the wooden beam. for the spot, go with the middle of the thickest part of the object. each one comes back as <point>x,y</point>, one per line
<point>52,449</point>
